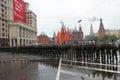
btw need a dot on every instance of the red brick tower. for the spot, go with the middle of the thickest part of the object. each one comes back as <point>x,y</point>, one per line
<point>101,31</point>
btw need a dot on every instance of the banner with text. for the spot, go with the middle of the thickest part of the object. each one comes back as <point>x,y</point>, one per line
<point>19,10</point>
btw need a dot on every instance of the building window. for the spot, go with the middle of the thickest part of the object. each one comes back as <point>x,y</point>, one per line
<point>2,15</point>
<point>3,24</point>
<point>2,20</point>
<point>5,2</point>
<point>2,5</point>
<point>3,34</point>
<point>2,10</point>
<point>3,29</point>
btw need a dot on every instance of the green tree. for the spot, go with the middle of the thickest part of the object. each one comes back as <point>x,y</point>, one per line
<point>113,38</point>
<point>93,38</point>
<point>108,38</point>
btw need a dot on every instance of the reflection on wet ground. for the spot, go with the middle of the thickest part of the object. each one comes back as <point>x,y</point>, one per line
<point>12,65</point>
<point>47,70</point>
<point>43,70</point>
<point>93,66</point>
<point>71,70</point>
<point>71,73</point>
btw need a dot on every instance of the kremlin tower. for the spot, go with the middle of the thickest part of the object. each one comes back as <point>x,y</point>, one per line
<point>91,30</point>
<point>101,31</point>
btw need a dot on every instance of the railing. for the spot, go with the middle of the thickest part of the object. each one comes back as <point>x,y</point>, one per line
<point>107,68</point>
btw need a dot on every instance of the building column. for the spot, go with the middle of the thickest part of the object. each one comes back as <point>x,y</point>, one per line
<point>18,37</point>
<point>14,42</point>
<point>22,37</point>
<point>25,34</point>
<point>10,41</point>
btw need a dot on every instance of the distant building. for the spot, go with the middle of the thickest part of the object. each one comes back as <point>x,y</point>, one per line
<point>54,39</point>
<point>101,31</point>
<point>43,39</point>
<point>31,19</point>
<point>76,36</point>
<point>113,32</point>
<point>69,36</point>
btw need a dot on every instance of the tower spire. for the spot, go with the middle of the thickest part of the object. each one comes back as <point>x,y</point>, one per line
<point>80,28</point>
<point>91,30</point>
<point>101,31</point>
<point>101,27</point>
<point>54,35</point>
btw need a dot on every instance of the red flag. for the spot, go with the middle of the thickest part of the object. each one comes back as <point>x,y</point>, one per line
<point>59,37</point>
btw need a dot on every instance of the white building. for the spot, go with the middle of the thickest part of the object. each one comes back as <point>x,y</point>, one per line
<point>17,23</point>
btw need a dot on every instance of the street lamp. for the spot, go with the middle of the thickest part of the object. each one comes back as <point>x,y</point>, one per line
<point>93,41</point>
<point>90,41</point>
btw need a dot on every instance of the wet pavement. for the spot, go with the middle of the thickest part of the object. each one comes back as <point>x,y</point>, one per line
<point>47,70</point>
<point>34,71</point>
<point>71,73</point>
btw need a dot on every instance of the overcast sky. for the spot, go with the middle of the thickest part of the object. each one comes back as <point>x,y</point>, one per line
<point>51,12</point>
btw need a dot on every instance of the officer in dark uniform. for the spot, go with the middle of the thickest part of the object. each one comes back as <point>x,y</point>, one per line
<point>103,53</point>
<point>114,54</point>
<point>88,52</point>
<point>108,52</point>
<point>119,49</point>
<point>83,52</point>
<point>98,53</point>
<point>93,51</point>
<point>78,53</point>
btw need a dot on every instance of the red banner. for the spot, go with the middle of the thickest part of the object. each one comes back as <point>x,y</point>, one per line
<point>19,10</point>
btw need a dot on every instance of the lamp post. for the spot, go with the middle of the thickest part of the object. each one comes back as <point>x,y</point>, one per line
<point>79,42</point>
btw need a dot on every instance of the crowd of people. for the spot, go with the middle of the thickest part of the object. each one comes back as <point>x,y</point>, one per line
<point>98,53</point>
<point>104,53</point>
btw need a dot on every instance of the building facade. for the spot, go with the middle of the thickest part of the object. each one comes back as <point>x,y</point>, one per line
<point>43,39</point>
<point>69,36</point>
<point>17,24</point>
<point>113,32</point>
<point>54,39</point>
<point>76,36</point>
<point>3,22</point>
<point>102,31</point>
